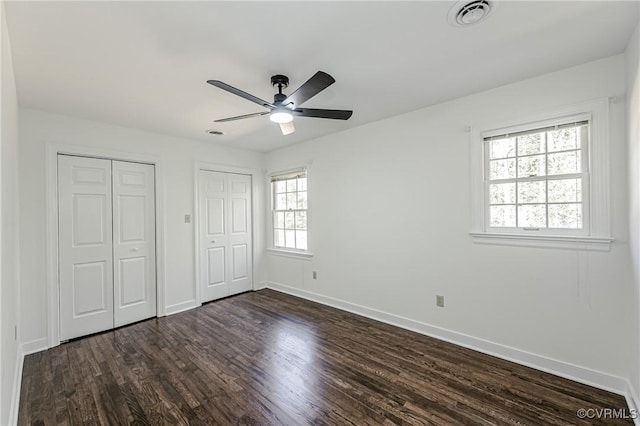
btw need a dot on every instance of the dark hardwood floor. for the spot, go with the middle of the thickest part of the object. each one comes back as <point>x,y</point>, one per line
<point>266,358</point>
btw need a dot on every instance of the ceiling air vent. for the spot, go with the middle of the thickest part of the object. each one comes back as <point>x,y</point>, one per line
<point>465,13</point>
<point>215,132</point>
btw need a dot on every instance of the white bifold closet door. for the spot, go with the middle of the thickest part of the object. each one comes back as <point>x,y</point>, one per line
<point>225,234</point>
<point>134,242</point>
<point>106,238</point>
<point>85,250</point>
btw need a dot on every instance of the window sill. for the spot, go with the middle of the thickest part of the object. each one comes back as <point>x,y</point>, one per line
<point>290,253</point>
<point>585,243</point>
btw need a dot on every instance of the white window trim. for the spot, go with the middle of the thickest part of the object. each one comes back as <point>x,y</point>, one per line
<point>295,254</point>
<point>598,214</point>
<point>288,252</point>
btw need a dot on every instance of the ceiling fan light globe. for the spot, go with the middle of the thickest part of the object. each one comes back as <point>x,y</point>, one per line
<point>279,116</point>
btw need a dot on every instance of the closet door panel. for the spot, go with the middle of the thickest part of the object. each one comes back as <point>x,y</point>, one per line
<point>239,231</point>
<point>84,246</point>
<point>134,277</point>
<point>213,224</point>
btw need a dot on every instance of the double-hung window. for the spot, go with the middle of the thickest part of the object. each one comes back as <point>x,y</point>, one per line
<point>537,178</point>
<point>289,208</point>
<point>544,182</point>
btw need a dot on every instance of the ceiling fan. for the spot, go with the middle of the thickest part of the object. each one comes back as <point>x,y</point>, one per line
<point>284,107</point>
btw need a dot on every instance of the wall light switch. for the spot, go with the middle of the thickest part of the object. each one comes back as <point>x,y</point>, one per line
<point>440,301</point>
<point>187,218</point>
<point>314,274</point>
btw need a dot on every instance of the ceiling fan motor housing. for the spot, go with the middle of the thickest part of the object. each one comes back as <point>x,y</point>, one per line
<point>280,80</point>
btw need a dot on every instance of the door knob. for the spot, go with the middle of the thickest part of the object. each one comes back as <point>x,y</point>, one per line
<point>133,250</point>
<point>213,241</point>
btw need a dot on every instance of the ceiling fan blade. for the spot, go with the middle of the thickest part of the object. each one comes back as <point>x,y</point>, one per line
<point>316,84</point>
<point>287,128</point>
<point>240,117</point>
<point>336,114</point>
<point>238,92</point>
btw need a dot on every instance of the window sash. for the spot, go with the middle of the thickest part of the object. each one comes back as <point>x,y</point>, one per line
<point>581,126</point>
<point>292,175</point>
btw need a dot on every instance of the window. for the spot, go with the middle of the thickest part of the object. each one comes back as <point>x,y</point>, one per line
<point>535,179</point>
<point>543,181</point>
<point>289,204</point>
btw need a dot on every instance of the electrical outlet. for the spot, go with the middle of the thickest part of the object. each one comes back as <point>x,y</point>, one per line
<point>314,274</point>
<point>440,301</point>
<point>187,218</point>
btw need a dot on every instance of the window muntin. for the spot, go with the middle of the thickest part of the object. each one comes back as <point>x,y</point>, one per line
<point>535,179</point>
<point>289,206</point>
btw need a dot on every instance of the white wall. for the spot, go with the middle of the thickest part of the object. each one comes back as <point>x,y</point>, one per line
<point>177,156</point>
<point>390,204</point>
<point>632,68</point>
<point>9,258</point>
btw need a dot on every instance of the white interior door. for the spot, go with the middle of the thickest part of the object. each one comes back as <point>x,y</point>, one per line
<point>134,264</point>
<point>225,234</point>
<point>85,246</point>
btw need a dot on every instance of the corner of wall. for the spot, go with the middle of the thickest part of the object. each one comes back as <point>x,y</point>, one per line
<point>631,396</point>
<point>17,385</point>
<point>10,354</point>
<point>632,80</point>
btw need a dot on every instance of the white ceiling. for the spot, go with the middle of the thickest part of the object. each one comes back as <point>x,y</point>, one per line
<point>145,64</point>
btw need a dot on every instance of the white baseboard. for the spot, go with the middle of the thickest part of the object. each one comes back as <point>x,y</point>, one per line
<point>567,370</point>
<point>17,385</point>
<point>181,307</point>
<point>34,346</point>
<point>633,402</point>
<point>26,348</point>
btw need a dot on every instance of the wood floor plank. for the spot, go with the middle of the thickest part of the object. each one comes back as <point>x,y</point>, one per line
<point>266,358</point>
